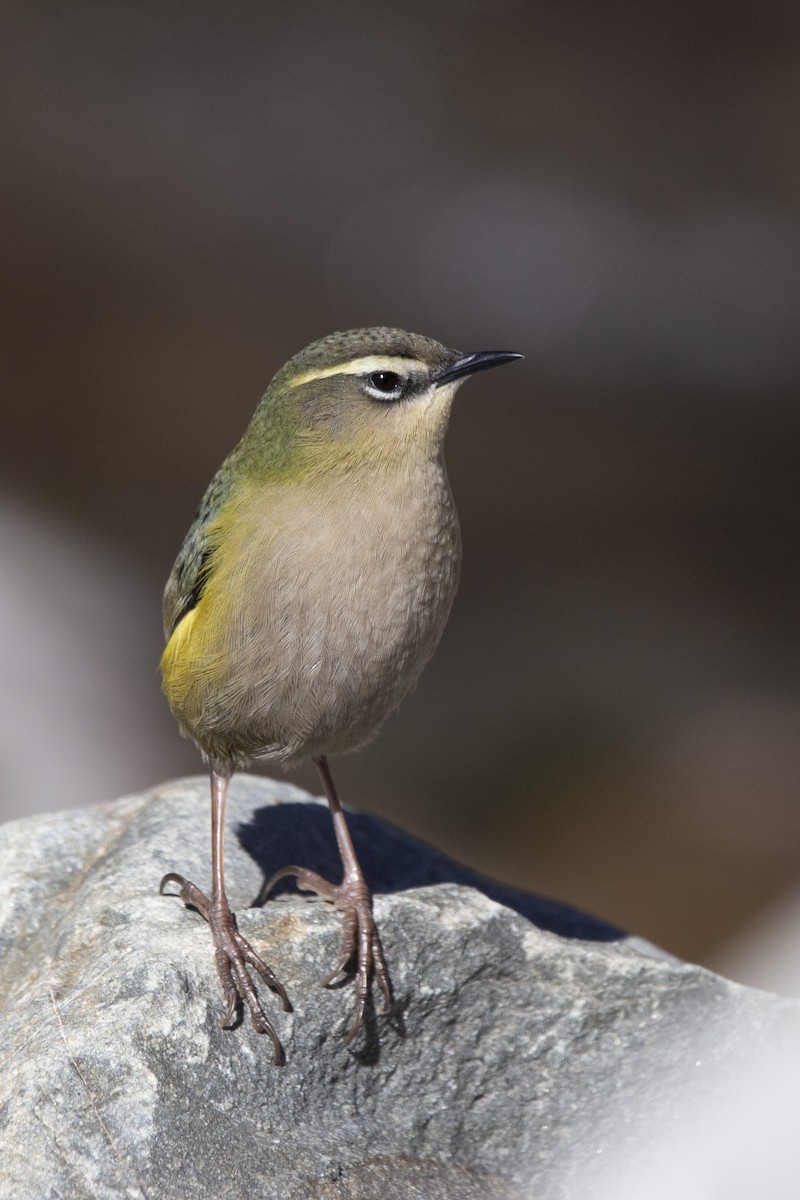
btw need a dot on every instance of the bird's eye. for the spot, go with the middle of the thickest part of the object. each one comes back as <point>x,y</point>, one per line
<point>385,381</point>
<point>384,385</point>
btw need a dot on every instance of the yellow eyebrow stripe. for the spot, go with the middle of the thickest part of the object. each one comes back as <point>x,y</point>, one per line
<point>362,366</point>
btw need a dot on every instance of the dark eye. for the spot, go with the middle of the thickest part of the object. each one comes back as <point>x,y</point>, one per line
<point>385,385</point>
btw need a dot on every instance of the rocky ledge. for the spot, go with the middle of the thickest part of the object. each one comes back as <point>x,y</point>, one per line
<point>532,1051</point>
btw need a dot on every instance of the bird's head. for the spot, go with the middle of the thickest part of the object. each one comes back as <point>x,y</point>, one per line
<point>365,396</point>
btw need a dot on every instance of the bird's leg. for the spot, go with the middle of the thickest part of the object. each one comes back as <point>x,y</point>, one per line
<point>233,953</point>
<point>360,940</point>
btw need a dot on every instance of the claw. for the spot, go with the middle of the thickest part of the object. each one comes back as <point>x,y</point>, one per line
<point>171,877</point>
<point>306,881</point>
<point>230,1011</point>
<point>359,942</point>
<point>338,969</point>
<point>232,954</point>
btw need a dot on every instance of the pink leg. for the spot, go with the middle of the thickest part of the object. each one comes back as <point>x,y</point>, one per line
<point>232,952</point>
<point>360,941</point>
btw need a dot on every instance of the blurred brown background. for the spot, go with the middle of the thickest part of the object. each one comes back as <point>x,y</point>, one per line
<point>193,191</point>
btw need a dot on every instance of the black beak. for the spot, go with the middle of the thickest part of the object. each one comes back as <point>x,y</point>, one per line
<point>470,363</point>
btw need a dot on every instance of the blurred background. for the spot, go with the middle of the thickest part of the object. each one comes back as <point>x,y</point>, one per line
<point>191,192</point>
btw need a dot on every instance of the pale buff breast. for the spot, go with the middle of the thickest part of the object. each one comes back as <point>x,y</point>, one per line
<point>340,595</point>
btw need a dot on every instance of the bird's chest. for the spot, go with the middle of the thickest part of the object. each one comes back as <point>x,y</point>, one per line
<point>368,569</point>
<point>335,600</point>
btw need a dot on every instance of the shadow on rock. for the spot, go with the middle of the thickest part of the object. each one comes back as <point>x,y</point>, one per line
<point>393,861</point>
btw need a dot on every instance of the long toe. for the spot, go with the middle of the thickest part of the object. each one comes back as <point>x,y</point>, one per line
<point>381,971</point>
<point>359,946</point>
<point>266,972</point>
<point>189,893</point>
<point>347,945</point>
<point>371,964</point>
<point>232,955</point>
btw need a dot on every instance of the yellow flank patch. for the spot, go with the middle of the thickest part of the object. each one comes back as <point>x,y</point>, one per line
<point>176,661</point>
<point>179,635</point>
<point>195,661</point>
<point>362,366</point>
<point>192,663</point>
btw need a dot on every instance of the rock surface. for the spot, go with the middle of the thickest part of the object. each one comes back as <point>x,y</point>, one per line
<point>533,1051</point>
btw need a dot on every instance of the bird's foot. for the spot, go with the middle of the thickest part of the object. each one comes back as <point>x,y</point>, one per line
<point>360,942</point>
<point>233,954</point>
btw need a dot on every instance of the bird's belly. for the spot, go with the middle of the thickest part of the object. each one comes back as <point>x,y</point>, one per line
<point>338,615</point>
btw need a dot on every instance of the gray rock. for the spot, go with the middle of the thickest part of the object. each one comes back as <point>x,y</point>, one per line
<point>533,1051</point>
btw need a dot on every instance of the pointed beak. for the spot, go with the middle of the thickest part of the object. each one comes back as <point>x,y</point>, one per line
<point>468,364</point>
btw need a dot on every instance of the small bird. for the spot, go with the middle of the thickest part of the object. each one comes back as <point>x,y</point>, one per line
<point>309,593</point>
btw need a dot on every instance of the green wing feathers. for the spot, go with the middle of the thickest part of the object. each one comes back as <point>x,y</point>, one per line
<point>195,560</point>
